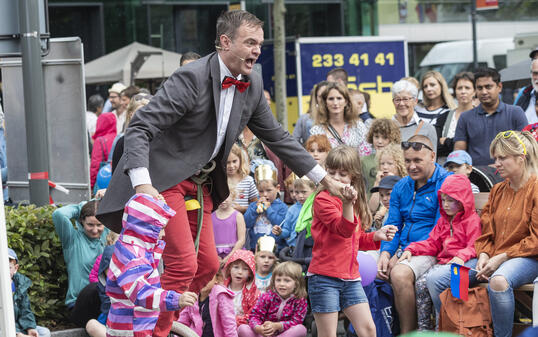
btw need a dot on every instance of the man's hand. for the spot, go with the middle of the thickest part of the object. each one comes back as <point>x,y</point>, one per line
<point>385,233</point>
<point>334,187</point>
<point>147,189</point>
<point>33,333</point>
<point>456,260</point>
<point>277,230</point>
<point>187,299</point>
<point>383,266</point>
<point>405,256</point>
<point>150,190</point>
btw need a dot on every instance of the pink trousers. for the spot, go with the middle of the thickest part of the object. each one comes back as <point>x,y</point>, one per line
<point>245,330</point>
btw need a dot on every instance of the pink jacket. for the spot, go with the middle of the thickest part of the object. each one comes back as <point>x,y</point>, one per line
<point>221,309</point>
<point>271,307</point>
<point>449,239</point>
<point>94,274</point>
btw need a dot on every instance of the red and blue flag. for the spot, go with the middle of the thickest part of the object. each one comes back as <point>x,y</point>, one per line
<point>459,281</point>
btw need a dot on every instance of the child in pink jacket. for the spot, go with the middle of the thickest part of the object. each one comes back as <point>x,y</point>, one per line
<point>214,314</point>
<point>452,239</point>
<point>281,310</point>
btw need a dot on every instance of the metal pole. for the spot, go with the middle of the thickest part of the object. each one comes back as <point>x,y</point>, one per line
<point>34,103</point>
<point>473,24</point>
<point>279,12</point>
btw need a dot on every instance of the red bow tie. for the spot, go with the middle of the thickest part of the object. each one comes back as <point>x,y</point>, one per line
<point>229,81</point>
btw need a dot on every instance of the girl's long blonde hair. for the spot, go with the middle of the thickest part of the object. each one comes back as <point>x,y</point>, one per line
<point>293,271</point>
<point>516,143</point>
<point>346,158</point>
<point>395,151</point>
<point>244,162</point>
<point>445,94</point>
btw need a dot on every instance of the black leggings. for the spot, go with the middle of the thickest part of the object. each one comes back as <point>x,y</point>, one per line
<point>87,305</point>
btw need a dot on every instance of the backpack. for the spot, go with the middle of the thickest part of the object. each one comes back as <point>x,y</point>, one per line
<point>467,318</point>
<point>381,301</point>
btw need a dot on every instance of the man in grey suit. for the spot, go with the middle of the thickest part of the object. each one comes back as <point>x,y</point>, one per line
<point>193,120</point>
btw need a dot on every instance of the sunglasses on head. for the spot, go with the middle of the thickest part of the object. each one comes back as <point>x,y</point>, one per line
<point>417,146</point>
<point>510,133</point>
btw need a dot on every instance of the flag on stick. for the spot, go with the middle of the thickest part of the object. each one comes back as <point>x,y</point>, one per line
<point>459,281</point>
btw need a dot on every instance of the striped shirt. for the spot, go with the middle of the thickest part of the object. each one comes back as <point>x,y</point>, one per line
<point>246,190</point>
<point>133,282</point>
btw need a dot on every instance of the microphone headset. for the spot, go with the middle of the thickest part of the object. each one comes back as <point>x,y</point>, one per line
<point>234,54</point>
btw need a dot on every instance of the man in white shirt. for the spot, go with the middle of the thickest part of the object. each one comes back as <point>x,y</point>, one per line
<point>95,106</point>
<point>118,108</point>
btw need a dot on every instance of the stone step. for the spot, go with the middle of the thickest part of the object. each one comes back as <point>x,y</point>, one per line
<point>70,333</point>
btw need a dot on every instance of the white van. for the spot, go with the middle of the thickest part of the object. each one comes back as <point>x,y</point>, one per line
<point>450,58</point>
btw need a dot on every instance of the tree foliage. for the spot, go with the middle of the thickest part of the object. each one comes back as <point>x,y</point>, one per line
<point>31,234</point>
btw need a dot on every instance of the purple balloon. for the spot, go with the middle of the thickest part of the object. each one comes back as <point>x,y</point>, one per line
<point>367,268</point>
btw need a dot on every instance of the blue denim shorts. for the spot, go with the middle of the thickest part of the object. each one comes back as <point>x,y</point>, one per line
<point>329,294</point>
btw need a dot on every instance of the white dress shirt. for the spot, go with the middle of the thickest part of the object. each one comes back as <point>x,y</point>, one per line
<point>140,175</point>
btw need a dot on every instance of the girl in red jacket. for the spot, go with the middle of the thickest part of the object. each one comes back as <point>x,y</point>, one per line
<point>338,232</point>
<point>452,239</point>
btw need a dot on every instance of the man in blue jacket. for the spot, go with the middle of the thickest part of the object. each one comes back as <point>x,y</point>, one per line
<point>414,209</point>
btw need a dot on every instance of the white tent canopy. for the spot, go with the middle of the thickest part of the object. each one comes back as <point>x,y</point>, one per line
<point>116,66</point>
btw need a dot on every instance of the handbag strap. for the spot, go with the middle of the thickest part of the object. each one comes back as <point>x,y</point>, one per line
<point>335,133</point>
<point>420,124</point>
<point>103,148</point>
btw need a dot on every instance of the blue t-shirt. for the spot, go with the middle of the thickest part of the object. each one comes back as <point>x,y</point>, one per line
<point>478,128</point>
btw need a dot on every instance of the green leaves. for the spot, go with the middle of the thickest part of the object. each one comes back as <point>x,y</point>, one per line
<point>31,234</point>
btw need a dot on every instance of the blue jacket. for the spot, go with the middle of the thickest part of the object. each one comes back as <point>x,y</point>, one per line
<point>275,214</point>
<point>288,225</point>
<point>415,213</point>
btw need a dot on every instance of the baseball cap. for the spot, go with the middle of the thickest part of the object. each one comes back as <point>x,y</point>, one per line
<point>459,157</point>
<point>117,88</point>
<point>386,183</point>
<point>12,255</point>
<point>534,53</point>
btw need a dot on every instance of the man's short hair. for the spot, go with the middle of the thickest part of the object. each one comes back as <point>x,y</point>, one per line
<point>188,56</point>
<point>487,72</point>
<point>228,23</point>
<point>338,74</point>
<point>95,102</point>
<point>421,139</point>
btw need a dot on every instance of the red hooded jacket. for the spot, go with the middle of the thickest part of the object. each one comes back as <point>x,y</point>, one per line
<point>250,291</point>
<point>105,132</point>
<point>449,239</point>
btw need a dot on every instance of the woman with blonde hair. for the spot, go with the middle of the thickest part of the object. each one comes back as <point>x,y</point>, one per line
<point>338,119</point>
<point>508,246</point>
<point>436,101</point>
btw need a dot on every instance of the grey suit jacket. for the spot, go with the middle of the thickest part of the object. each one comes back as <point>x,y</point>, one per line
<point>175,135</point>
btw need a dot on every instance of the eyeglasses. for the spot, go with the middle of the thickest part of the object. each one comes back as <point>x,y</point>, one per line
<point>510,133</point>
<point>403,100</point>
<point>417,146</point>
